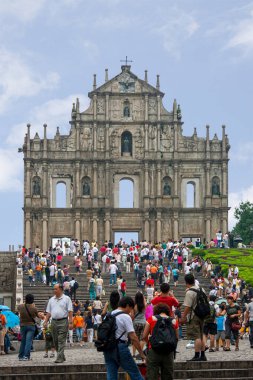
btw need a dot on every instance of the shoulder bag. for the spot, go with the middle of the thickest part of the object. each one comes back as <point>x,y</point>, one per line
<point>36,331</point>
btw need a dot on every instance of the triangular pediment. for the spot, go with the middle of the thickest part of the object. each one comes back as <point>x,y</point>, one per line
<point>126,82</point>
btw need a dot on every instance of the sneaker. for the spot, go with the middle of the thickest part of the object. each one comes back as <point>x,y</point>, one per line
<point>45,356</point>
<point>52,355</point>
<point>190,344</point>
<point>25,359</point>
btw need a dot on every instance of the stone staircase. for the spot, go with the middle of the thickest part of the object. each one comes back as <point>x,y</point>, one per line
<point>183,370</point>
<point>42,292</point>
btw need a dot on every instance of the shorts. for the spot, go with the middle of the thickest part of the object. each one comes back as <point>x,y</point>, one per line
<point>139,328</point>
<point>220,334</point>
<point>210,328</point>
<point>194,328</point>
<point>175,278</point>
<point>77,269</point>
<point>180,266</point>
<point>229,331</point>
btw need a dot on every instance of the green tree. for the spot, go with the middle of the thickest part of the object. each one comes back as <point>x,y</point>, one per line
<point>244,225</point>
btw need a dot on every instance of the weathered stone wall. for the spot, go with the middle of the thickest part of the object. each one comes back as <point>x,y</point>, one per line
<point>8,278</point>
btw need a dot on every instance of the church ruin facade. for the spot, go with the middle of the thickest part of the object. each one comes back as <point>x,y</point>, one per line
<point>125,134</point>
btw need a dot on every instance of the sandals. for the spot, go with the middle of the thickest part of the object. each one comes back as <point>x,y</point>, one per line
<point>211,350</point>
<point>226,349</point>
<point>236,348</point>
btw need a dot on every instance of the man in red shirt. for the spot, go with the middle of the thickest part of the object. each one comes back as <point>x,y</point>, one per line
<point>150,281</point>
<point>166,298</point>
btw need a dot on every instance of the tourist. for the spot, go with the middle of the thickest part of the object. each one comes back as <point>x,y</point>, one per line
<point>175,274</point>
<point>73,288</point>
<point>150,293</point>
<point>232,325</point>
<point>220,321</point>
<point>3,322</point>
<point>210,326</point>
<point>89,322</point>
<point>157,362</point>
<point>97,323</point>
<point>78,324</point>
<point>165,297</point>
<point>49,343</point>
<point>121,356</point>
<point>139,319</point>
<point>60,309</point>
<point>113,270</point>
<point>194,325</point>
<point>97,305</point>
<point>249,320</point>
<point>123,287</point>
<point>99,286</point>
<point>27,313</point>
<point>92,290</point>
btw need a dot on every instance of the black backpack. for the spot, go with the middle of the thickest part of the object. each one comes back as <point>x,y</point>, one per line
<point>202,309</point>
<point>76,285</point>
<point>106,333</point>
<point>163,338</point>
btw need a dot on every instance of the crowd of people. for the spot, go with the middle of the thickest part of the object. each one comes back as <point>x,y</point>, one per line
<point>156,269</point>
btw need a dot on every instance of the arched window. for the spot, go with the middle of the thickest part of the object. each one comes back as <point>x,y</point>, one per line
<point>190,194</point>
<point>126,109</point>
<point>126,193</point>
<point>167,186</point>
<point>126,144</point>
<point>61,195</point>
<point>215,186</point>
<point>86,186</point>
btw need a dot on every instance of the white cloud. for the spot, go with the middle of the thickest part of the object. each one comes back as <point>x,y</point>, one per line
<point>23,10</point>
<point>11,165</point>
<point>17,79</point>
<point>242,32</point>
<point>177,28</point>
<point>234,200</point>
<point>55,112</point>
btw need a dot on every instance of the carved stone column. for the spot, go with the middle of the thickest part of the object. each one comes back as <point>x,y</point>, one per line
<point>146,227</point>
<point>175,180</point>
<point>159,180</point>
<point>208,185</point>
<point>78,227</point>
<point>175,227</point>
<point>28,230</point>
<point>44,233</point>
<point>107,185</point>
<point>208,229</point>
<point>158,227</point>
<point>224,179</point>
<point>95,228</point>
<point>77,193</point>
<point>107,226</point>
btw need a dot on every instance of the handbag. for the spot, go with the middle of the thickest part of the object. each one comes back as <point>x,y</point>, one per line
<point>36,331</point>
<point>236,326</point>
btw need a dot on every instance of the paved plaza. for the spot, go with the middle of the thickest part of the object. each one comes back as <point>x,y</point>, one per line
<point>88,355</point>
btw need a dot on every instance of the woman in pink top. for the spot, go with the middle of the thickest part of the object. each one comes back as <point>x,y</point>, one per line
<point>180,262</point>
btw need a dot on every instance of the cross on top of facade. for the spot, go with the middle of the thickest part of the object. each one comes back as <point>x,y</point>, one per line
<point>126,61</point>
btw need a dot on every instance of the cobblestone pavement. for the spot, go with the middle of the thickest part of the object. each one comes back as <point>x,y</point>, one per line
<point>87,355</point>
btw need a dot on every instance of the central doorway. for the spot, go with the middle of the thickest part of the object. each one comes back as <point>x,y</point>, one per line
<point>126,236</point>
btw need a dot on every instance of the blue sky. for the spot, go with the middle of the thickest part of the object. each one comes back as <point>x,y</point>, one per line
<point>49,50</point>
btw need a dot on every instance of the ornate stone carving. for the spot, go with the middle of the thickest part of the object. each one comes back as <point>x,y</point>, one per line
<point>114,144</point>
<point>86,139</point>
<point>152,105</point>
<point>100,105</point>
<point>100,139</point>
<point>138,145</point>
<point>126,82</point>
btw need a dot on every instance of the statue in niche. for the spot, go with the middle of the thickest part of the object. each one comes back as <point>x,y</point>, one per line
<point>86,188</point>
<point>215,188</point>
<point>126,145</point>
<point>126,111</point>
<point>166,188</point>
<point>36,187</point>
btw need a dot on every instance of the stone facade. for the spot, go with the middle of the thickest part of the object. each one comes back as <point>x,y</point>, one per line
<point>8,278</point>
<point>126,133</point>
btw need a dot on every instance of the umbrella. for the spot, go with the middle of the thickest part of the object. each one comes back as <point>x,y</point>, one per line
<point>11,318</point>
<point>220,300</point>
<point>4,307</point>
